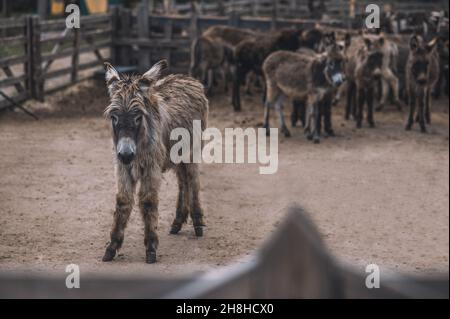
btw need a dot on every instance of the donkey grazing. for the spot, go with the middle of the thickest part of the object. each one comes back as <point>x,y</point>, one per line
<point>422,73</point>
<point>143,111</point>
<point>305,77</point>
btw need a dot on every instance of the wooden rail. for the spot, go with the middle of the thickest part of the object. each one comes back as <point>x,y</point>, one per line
<point>338,9</point>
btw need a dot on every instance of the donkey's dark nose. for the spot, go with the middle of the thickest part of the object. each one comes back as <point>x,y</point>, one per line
<point>126,156</point>
<point>126,150</point>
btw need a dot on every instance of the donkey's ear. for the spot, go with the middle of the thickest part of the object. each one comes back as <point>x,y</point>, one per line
<point>432,44</point>
<point>111,77</point>
<point>368,43</point>
<point>348,39</point>
<point>155,72</point>
<point>414,43</point>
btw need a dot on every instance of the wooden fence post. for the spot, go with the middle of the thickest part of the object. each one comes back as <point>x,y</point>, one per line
<point>33,70</point>
<point>234,19</point>
<point>125,20</point>
<point>37,65</point>
<point>143,34</point>
<point>168,31</point>
<point>273,24</point>
<point>29,85</point>
<point>115,26</point>
<point>75,55</point>
<point>255,8</point>
<point>193,30</point>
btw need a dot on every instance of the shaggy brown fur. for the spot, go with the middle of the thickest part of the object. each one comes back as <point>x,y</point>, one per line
<point>144,110</point>
<point>389,79</point>
<point>364,68</point>
<point>422,73</point>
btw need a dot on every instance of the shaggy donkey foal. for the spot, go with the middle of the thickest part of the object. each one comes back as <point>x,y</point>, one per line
<point>312,78</point>
<point>143,111</point>
<point>422,73</point>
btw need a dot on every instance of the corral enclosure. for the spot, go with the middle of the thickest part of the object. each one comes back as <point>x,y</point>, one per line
<point>377,196</point>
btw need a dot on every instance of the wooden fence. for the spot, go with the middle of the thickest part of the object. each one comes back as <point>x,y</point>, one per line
<point>338,9</point>
<point>294,263</point>
<point>30,47</point>
<point>144,39</point>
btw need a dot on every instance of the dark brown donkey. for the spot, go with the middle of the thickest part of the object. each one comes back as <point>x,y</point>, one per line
<point>143,111</point>
<point>422,73</point>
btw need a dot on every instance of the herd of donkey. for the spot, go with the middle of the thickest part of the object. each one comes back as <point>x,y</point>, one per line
<point>311,67</point>
<point>315,67</point>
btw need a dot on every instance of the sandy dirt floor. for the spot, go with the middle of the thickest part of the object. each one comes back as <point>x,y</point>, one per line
<point>377,195</point>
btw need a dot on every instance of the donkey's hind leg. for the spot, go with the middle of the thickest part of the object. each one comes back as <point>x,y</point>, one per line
<point>279,109</point>
<point>196,209</point>
<point>183,200</point>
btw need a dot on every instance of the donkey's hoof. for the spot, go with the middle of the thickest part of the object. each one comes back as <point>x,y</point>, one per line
<point>151,257</point>
<point>198,231</point>
<point>286,132</point>
<point>109,255</point>
<point>379,108</point>
<point>372,124</point>
<point>399,105</point>
<point>316,140</point>
<point>175,229</point>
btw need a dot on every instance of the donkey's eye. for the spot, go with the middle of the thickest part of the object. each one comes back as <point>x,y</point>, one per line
<point>138,119</point>
<point>114,119</point>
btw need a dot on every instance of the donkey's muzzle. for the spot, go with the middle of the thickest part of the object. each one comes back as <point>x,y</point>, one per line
<point>126,150</point>
<point>338,79</point>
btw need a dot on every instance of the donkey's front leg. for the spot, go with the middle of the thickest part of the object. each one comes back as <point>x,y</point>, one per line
<point>124,205</point>
<point>148,205</point>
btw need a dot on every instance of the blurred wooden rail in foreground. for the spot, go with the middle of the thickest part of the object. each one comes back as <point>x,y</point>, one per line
<point>294,263</point>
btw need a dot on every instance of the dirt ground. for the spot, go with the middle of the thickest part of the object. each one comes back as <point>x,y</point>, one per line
<point>377,195</point>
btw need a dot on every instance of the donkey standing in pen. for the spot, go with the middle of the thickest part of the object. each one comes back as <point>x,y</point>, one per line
<point>143,111</point>
<point>422,73</point>
<point>307,77</point>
